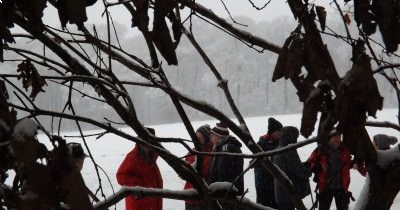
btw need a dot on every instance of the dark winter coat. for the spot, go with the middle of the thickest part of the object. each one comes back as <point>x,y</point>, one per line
<point>204,171</point>
<point>263,179</point>
<point>139,170</point>
<point>227,168</point>
<point>290,163</point>
<point>318,162</point>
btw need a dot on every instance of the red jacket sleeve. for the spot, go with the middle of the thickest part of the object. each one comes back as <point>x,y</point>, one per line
<point>127,174</point>
<point>312,160</point>
<point>190,159</point>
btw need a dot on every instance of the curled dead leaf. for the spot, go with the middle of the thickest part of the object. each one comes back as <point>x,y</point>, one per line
<point>30,78</point>
<point>347,19</point>
<point>321,13</point>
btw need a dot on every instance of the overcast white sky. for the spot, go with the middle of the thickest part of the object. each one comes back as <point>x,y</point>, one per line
<point>236,7</point>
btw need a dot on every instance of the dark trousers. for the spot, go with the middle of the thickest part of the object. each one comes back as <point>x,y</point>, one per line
<point>341,199</point>
<point>196,206</point>
<point>266,198</point>
<point>285,206</point>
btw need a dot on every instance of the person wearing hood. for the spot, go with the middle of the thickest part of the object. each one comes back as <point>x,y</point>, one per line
<point>139,168</point>
<point>289,162</point>
<point>383,142</point>
<point>226,168</point>
<point>264,181</point>
<point>203,134</point>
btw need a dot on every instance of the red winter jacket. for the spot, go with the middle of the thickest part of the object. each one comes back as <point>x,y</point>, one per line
<point>135,170</point>
<point>204,172</point>
<point>319,158</point>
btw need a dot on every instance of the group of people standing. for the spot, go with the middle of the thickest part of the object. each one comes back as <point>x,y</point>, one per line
<point>269,190</point>
<point>330,164</point>
<point>139,168</point>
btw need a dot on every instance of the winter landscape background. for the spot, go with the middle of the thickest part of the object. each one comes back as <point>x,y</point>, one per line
<point>109,151</point>
<point>248,73</point>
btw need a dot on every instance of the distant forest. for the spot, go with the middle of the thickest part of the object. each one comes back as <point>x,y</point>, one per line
<point>253,90</point>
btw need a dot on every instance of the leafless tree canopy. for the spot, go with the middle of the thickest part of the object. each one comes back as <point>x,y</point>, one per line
<point>65,62</point>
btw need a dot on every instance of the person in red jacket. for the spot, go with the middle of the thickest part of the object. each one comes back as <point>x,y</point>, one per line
<point>203,135</point>
<point>331,164</point>
<point>139,168</point>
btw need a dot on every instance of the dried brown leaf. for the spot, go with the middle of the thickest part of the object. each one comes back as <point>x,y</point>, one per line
<point>5,34</point>
<point>321,13</point>
<point>36,178</point>
<point>386,14</point>
<point>310,112</point>
<point>30,78</point>
<point>347,19</point>
<point>140,17</point>
<point>357,141</point>
<point>72,11</point>
<point>357,94</point>
<point>364,16</point>
<point>33,12</point>
<point>176,28</point>
<point>160,34</point>
<point>163,41</point>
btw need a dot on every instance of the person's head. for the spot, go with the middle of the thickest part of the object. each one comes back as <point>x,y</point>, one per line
<point>274,128</point>
<point>148,152</point>
<point>78,155</point>
<point>383,142</point>
<point>335,138</point>
<point>218,133</point>
<point>203,134</point>
<point>289,135</point>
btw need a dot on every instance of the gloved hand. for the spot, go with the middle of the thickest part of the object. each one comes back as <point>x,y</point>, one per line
<point>317,168</point>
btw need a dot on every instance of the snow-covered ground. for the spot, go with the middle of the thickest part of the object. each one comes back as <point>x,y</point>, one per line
<point>110,150</point>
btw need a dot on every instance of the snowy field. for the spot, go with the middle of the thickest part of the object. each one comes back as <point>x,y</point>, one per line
<point>110,150</point>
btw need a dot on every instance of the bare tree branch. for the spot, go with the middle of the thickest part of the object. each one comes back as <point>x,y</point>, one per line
<point>254,40</point>
<point>190,194</point>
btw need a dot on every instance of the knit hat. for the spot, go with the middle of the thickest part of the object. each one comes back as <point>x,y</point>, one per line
<point>383,141</point>
<point>205,130</point>
<point>76,150</point>
<point>273,125</point>
<point>333,132</point>
<point>220,129</point>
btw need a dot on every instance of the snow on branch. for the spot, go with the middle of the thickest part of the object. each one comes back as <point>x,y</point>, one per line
<point>25,127</point>
<point>386,157</point>
<point>217,191</point>
<point>385,124</point>
<point>260,154</point>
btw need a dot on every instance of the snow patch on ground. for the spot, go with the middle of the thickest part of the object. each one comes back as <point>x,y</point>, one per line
<point>362,199</point>
<point>110,150</point>
<point>386,157</point>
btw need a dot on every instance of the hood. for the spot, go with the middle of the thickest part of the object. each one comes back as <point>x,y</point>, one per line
<point>232,141</point>
<point>289,135</point>
<point>383,141</point>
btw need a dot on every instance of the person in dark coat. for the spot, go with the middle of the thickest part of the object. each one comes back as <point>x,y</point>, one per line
<point>203,134</point>
<point>290,163</point>
<point>264,181</point>
<point>383,142</point>
<point>226,168</point>
<point>139,168</point>
<point>78,155</point>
